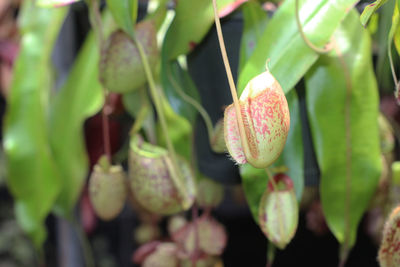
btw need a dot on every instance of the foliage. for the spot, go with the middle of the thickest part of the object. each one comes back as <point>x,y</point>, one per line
<point>43,139</point>
<point>32,172</point>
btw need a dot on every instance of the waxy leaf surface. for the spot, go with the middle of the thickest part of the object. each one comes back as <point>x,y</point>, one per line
<point>342,102</point>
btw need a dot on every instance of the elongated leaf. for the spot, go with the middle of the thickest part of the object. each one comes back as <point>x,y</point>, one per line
<point>255,180</point>
<point>282,44</point>
<point>394,33</point>
<point>80,97</point>
<point>369,10</point>
<point>32,176</point>
<point>124,13</point>
<point>177,85</point>
<point>382,65</point>
<point>192,21</point>
<point>254,22</point>
<point>342,103</point>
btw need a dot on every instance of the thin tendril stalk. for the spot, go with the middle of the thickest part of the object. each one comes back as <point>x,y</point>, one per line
<point>242,133</point>
<point>318,50</point>
<point>203,113</point>
<point>177,174</point>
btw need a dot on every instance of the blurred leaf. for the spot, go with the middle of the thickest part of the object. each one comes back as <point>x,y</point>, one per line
<point>281,41</point>
<point>394,34</point>
<point>133,101</point>
<point>33,178</point>
<point>255,180</point>
<point>54,3</point>
<point>342,102</point>
<point>177,81</point>
<point>373,24</point>
<point>124,13</point>
<point>369,10</point>
<point>397,39</point>
<point>179,130</point>
<point>383,73</point>
<point>157,14</point>
<point>79,98</point>
<point>254,22</point>
<point>193,19</point>
<point>137,104</point>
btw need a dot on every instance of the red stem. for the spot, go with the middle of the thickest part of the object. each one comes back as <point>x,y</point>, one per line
<point>106,128</point>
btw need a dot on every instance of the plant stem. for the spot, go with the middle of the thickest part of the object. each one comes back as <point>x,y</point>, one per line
<point>203,113</point>
<point>324,50</point>
<point>232,87</point>
<point>177,174</point>
<point>106,128</point>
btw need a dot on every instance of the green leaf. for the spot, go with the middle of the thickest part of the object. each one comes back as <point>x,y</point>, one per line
<point>192,21</point>
<point>382,65</point>
<point>33,178</point>
<point>254,22</point>
<point>369,10</point>
<point>342,104</point>
<point>157,12</point>
<point>255,180</point>
<point>54,3</point>
<point>124,13</point>
<point>137,104</point>
<point>282,44</point>
<point>177,81</point>
<point>179,130</point>
<point>79,98</point>
<point>394,33</point>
